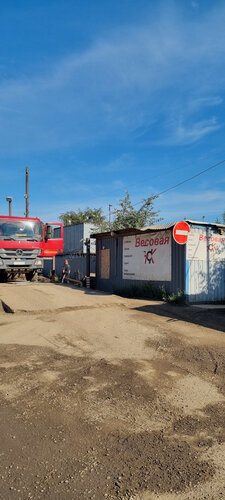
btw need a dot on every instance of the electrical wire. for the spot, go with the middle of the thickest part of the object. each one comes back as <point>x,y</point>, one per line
<point>183,182</point>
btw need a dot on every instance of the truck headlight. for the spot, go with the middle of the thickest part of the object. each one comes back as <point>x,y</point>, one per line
<point>38,262</point>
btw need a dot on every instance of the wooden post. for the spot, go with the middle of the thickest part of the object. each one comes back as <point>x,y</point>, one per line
<point>53,268</point>
<point>88,257</point>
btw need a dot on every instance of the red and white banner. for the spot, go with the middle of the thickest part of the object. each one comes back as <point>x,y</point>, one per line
<point>147,256</point>
<point>205,245</point>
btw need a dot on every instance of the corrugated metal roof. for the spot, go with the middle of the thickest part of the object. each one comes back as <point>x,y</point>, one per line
<point>155,227</point>
<point>135,230</point>
<point>202,223</point>
<point>158,227</point>
<point>168,225</point>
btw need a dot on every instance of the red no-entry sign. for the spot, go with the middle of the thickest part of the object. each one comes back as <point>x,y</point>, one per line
<point>180,232</point>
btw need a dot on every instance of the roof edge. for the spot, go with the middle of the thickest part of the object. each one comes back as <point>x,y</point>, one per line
<point>152,229</point>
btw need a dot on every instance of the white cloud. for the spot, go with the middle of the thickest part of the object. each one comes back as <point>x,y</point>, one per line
<point>208,101</point>
<point>199,196</point>
<point>122,82</point>
<point>121,163</point>
<point>192,204</point>
<point>173,206</point>
<point>188,135</point>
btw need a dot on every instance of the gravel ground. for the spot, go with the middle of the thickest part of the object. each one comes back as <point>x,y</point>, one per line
<point>104,397</point>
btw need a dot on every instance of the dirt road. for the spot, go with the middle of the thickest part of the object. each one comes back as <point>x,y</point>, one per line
<point>109,398</point>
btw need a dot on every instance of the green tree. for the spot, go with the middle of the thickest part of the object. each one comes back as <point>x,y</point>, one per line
<point>127,216</point>
<point>123,217</point>
<point>219,221</point>
<point>92,215</point>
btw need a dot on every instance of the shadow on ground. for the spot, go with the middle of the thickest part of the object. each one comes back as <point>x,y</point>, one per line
<point>208,318</point>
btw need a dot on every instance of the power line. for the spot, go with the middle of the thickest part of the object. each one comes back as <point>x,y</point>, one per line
<point>183,182</point>
<point>186,165</point>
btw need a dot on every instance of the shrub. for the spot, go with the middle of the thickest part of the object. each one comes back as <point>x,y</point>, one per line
<point>151,291</point>
<point>177,298</point>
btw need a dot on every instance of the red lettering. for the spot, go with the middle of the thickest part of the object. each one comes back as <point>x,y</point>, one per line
<point>155,241</point>
<point>137,243</point>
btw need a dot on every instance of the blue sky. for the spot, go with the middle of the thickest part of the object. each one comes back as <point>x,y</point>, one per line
<point>100,97</point>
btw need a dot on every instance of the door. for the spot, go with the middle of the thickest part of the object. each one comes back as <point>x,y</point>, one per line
<point>53,239</point>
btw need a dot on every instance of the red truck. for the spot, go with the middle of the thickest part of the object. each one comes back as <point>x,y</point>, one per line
<point>23,244</point>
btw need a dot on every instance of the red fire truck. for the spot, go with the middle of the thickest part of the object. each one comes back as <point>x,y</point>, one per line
<point>23,244</point>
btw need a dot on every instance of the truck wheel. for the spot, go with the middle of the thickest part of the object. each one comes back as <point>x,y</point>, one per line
<point>3,276</point>
<point>30,276</point>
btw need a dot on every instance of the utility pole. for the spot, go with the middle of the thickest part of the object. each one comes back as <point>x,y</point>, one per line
<point>110,213</point>
<point>26,196</point>
<point>9,199</point>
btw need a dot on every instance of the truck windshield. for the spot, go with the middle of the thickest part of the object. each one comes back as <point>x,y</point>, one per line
<point>21,229</point>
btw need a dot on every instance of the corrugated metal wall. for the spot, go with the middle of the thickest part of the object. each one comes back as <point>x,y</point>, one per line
<point>205,279</point>
<point>47,267</point>
<point>73,239</point>
<point>77,264</point>
<point>75,236</point>
<point>116,280</point>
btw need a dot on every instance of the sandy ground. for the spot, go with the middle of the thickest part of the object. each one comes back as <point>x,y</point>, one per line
<point>106,397</point>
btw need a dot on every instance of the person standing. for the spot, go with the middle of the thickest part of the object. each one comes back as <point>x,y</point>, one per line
<point>65,271</point>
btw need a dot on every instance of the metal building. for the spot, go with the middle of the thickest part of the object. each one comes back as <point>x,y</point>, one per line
<point>74,250</point>
<point>150,254</point>
<point>74,237</point>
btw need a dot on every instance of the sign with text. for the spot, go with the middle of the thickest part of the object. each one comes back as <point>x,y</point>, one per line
<point>147,256</point>
<point>205,245</point>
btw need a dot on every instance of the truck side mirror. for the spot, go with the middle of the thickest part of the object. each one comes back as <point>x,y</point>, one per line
<point>48,233</point>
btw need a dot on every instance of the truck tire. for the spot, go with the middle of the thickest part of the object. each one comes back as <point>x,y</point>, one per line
<point>3,276</point>
<point>30,276</point>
